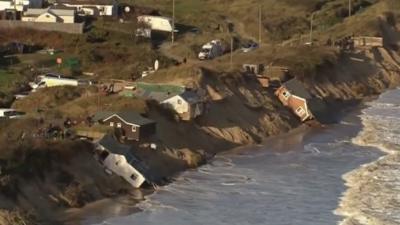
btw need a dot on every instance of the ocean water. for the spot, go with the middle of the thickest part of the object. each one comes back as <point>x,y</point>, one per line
<point>333,175</point>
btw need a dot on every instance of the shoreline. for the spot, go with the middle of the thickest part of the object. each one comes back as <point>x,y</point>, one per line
<point>370,178</point>
<point>296,135</point>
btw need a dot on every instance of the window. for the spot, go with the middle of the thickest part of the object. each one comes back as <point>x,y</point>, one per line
<point>300,111</point>
<point>119,125</point>
<point>179,101</point>
<point>133,129</point>
<point>111,124</point>
<point>133,177</point>
<point>286,95</point>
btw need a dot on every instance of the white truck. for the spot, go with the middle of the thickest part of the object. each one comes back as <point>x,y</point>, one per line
<point>53,80</point>
<point>211,50</point>
<point>159,23</point>
<point>10,114</point>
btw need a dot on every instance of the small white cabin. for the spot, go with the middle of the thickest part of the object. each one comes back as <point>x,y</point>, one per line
<point>49,15</point>
<point>188,105</point>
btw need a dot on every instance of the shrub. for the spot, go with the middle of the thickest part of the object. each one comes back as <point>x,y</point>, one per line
<point>97,36</point>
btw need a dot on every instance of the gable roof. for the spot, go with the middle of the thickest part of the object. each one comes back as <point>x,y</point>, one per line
<point>131,117</point>
<point>297,88</point>
<point>56,12</point>
<point>190,96</point>
<point>154,95</point>
<point>101,115</point>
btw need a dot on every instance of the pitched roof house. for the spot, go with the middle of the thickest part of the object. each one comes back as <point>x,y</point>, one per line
<point>294,95</point>
<point>50,15</point>
<point>119,159</point>
<point>92,7</point>
<point>132,125</point>
<point>188,105</point>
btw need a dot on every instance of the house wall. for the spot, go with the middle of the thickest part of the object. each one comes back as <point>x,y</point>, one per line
<point>280,94</point>
<point>68,19</point>
<point>178,104</point>
<point>28,18</point>
<point>47,18</point>
<point>296,102</point>
<point>293,102</point>
<point>126,128</point>
<point>118,165</point>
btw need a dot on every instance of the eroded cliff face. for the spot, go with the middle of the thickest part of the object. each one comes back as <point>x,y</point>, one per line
<point>242,112</point>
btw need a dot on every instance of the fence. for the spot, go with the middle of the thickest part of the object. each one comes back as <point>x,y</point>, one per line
<point>368,41</point>
<point>74,28</point>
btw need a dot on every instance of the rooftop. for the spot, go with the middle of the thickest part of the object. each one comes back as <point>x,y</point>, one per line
<point>57,12</point>
<point>131,117</point>
<point>297,88</point>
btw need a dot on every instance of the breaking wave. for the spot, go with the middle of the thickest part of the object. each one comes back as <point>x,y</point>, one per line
<point>373,196</point>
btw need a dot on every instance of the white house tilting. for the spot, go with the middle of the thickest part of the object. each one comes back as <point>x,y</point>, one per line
<point>117,158</point>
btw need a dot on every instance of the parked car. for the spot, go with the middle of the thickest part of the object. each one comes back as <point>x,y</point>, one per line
<point>250,46</point>
<point>211,50</point>
<point>10,114</point>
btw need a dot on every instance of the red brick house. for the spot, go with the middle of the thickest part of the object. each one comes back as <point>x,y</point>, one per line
<point>295,96</point>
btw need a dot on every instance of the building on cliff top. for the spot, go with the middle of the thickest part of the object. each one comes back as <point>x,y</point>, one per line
<point>187,105</point>
<point>50,15</point>
<point>129,124</point>
<point>295,96</point>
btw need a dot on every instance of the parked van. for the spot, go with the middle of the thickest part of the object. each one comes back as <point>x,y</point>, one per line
<point>211,50</point>
<point>157,23</point>
<point>10,113</point>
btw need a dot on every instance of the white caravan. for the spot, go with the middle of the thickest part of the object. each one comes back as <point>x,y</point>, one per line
<point>211,50</point>
<point>159,23</point>
<point>10,113</point>
<point>53,80</point>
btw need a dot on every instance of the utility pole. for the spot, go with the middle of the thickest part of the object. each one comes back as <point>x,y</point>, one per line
<point>231,65</point>
<point>259,24</point>
<point>311,28</point>
<point>350,8</point>
<point>173,21</point>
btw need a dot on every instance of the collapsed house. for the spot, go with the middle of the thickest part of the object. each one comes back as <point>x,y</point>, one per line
<point>118,159</point>
<point>295,96</point>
